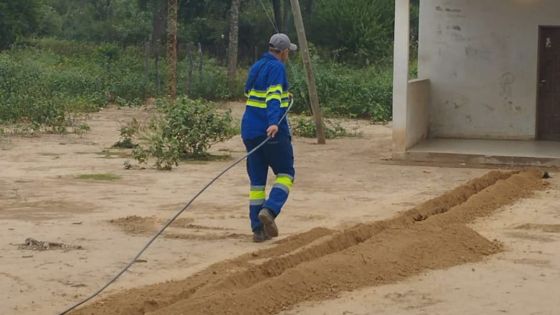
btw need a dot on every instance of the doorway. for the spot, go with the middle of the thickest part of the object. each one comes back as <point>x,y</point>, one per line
<point>548,108</point>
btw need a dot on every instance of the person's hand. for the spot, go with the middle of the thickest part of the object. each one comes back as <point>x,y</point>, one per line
<point>272,131</point>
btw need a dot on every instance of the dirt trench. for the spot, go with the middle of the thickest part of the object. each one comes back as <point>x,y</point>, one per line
<point>321,263</point>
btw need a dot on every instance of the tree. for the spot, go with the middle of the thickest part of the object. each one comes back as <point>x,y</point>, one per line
<point>158,9</point>
<point>17,18</point>
<point>172,49</point>
<point>277,9</point>
<point>286,19</point>
<point>233,43</point>
<point>360,31</point>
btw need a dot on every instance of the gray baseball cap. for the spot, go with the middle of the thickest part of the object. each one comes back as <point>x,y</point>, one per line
<point>281,42</point>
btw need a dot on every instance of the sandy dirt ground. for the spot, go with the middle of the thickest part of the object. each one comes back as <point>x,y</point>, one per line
<point>102,224</point>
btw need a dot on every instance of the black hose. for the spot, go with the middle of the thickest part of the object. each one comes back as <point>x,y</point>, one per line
<point>166,225</point>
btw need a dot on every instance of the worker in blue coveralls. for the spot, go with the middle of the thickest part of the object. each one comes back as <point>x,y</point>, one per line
<point>267,102</point>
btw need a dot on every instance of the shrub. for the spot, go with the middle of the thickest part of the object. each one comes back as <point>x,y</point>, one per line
<point>305,127</point>
<point>211,83</point>
<point>345,92</point>
<point>127,135</point>
<point>184,129</point>
<point>44,80</point>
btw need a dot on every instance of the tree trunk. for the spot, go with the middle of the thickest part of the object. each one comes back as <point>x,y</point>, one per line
<point>233,43</point>
<point>159,20</point>
<point>190,66</point>
<point>146,67</point>
<point>172,49</point>
<point>277,7</point>
<point>310,77</point>
<point>286,21</point>
<point>308,10</point>
<point>200,63</point>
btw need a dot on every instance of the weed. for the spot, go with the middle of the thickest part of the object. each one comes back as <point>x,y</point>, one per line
<point>184,129</point>
<point>99,177</point>
<point>128,133</point>
<point>305,127</point>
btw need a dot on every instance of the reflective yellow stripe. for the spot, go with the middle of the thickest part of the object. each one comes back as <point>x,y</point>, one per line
<point>285,104</point>
<point>274,97</point>
<point>275,88</point>
<point>285,180</point>
<point>257,195</point>
<point>256,103</point>
<point>256,93</point>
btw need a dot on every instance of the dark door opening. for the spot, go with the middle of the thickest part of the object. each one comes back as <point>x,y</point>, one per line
<point>548,108</point>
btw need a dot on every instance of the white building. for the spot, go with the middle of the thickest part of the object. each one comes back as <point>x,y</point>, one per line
<point>489,82</point>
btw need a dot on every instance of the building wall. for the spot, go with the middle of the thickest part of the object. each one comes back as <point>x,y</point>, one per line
<point>481,59</point>
<point>418,118</point>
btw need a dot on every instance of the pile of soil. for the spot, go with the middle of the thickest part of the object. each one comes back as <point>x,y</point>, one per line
<point>321,263</point>
<point>136,225</point>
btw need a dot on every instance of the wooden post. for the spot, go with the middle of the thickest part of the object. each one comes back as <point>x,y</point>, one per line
<point>233,44</point>
<point>146,67</point>
<point>200,63</point>
<point>156,61</point>
<point>172,49</point>
<point>190,66</point>
<point>311,86</point>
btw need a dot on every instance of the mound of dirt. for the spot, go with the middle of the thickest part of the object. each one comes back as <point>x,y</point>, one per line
<point>321,263</point>
<point>136,225</point>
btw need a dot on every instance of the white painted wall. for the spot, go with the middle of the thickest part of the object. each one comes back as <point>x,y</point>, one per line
<point>418,118</point>
<point>400,75</point>
<point>481,59</point>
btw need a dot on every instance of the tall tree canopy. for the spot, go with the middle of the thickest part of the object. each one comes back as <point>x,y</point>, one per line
<point>17,18</point>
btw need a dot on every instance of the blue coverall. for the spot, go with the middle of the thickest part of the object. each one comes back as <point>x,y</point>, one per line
<point>267,101</point>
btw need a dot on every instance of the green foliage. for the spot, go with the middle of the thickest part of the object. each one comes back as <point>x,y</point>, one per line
<point>343,91</point>
<point>211,83</point>
<point>95,20</point>
<point>128,132</point>
<point>91,53</point>
<point>356,31</point>
<point>305,127</point>
<point>184,129</point>
<point>17,19</point>
<point>42,82</point>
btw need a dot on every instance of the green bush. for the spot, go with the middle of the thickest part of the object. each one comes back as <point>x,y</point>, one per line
<point>185,129</point>
<point>359,32</point>
<point>305,127</point>
<point>128,133</point>
<point>211,83</point>
<point>43,80</point>
<point>345,92</point>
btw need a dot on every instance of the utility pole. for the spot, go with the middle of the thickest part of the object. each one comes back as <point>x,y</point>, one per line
<point>311,86</point>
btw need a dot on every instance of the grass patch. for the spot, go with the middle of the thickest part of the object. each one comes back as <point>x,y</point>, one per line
<point>99,176</point>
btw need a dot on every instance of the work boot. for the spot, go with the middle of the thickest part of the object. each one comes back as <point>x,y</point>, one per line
<point>267,219</point>
<point>260,236</point>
